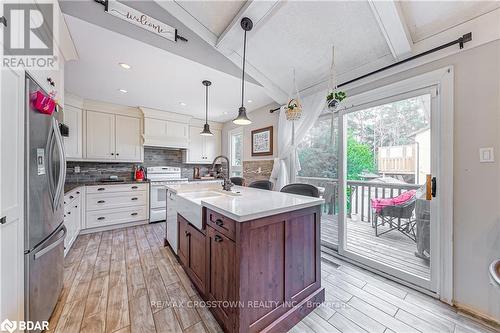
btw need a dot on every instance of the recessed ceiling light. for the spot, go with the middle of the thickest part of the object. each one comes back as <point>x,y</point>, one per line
<point>122,91</point>
<point>249,101</point>
<point>124,65</point>
<point>182,104</point>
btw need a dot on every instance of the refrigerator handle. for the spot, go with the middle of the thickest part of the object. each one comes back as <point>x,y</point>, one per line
<point>47,249</point>
<point>62,162</point>
<point>49,152</point>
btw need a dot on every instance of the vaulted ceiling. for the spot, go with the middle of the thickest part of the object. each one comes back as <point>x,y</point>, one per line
<point>287,36</point>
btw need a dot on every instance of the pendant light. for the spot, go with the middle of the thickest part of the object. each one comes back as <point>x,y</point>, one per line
<point>242,118</point>
<point>206,127</point>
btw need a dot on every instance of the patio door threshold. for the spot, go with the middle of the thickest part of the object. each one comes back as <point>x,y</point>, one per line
<point>327,252</point>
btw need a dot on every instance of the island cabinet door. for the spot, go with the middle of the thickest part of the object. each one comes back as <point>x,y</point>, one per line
<point>221,274</point>
<point>184,238</point>
<point>197,257</point>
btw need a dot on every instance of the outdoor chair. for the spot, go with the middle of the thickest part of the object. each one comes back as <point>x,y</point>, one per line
<point>398,216</point>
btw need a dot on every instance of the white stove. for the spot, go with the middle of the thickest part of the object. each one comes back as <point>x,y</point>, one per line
<point>159,177</point>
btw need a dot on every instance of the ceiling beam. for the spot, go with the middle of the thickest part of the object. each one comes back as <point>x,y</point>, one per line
<point>230,42</point>
<point>393,27</point>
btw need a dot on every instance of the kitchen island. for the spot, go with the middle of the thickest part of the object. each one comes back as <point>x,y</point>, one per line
<point>253,255</point>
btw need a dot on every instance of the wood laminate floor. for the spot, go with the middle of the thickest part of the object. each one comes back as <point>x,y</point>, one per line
<point>121,280</point>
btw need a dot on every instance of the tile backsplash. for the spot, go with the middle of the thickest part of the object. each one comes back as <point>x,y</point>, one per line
<point>92,171</point>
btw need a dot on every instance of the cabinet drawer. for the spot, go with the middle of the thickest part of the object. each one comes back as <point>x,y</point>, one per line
<point>72,195</point>
<point>96,201</point>
<point>222,224</point>
<point>99,218</point>
<point>117,188</point>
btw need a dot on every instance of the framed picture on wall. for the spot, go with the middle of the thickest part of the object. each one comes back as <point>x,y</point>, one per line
<point>262,141</point>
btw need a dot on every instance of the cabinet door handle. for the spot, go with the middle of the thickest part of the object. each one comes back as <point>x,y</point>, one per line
<point>187,233</point>
<point>134,187</point>
<point>101,189</point>
<point>101,218</point>
<point>3,220</point>
<point>133,214</point>
<point>117,154</point>
<point>218,238</point>
<point>133,199</point>
<point>219,222</point>
<point>69,213</point>
<point>77,192</point>
<point>101,201</point>
<point>71,197</point>
<point>112,153</point>
<point>76,206</point>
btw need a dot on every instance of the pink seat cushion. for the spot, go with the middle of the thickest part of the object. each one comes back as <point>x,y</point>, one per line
<point>379,203</point>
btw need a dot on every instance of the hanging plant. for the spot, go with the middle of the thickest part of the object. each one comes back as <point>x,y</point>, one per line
<point>335,96</point>
<point>294,108</point>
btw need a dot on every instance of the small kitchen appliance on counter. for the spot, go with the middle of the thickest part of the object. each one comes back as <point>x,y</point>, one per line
<point>159,177</point>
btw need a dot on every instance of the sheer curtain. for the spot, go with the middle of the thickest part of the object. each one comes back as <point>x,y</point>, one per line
<point>286,165</point>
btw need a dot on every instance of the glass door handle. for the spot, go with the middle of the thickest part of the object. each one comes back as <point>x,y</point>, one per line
<point>433,187</point>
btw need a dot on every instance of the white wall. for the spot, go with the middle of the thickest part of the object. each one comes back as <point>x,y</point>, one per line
<point>476,185</point>
<point>260,118</point>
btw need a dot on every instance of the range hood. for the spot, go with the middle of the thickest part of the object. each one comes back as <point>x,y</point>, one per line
<point>165,129</point>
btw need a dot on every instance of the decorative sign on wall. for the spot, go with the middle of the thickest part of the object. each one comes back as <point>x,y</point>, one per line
<point>262,141</point>
<point>140,19</point>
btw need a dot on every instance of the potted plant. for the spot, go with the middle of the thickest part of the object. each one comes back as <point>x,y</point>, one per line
<point>334,98</point>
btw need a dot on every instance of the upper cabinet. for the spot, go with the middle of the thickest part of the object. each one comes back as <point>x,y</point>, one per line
<point>165,129</point>
<point>100,135</point>
<point>73,118</point>
<point>203,149</point>
<point>102,132</point>
<point>128,141</point>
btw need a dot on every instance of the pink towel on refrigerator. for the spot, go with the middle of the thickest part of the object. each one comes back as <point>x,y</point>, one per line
<point>379,203</point>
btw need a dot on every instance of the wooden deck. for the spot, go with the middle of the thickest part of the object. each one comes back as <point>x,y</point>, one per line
<point>393,248</point>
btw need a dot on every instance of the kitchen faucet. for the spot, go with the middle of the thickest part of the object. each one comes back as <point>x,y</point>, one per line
<point>226,186</point>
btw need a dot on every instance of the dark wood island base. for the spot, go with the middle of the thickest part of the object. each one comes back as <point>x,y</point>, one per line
<point>261,275</point>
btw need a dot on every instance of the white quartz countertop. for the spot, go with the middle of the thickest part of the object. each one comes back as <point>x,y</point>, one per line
<point>247,203</point>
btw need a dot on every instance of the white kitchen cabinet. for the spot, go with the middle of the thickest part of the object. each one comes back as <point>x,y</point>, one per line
<point>73,143</point>
<point>165,133</point>
<point>72,216</point>
<point>100,135</point>
<point>202,149</point>
<point>128,138</point>
<point>111,205</point>
<point>12,194</point>
<point>112,137</point>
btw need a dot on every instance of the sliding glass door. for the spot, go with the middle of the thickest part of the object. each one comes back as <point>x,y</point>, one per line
<point>387,218</point>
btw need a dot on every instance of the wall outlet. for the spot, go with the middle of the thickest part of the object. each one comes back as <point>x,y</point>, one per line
<point>77,169</point>
<point>486,155</point>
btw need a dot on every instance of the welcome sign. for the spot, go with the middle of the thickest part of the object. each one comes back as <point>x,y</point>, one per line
<point>140,19</point>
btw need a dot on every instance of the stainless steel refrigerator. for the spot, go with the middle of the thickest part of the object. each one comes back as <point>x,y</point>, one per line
<point>45,172</point>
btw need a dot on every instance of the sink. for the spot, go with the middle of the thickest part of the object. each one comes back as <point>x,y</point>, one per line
<point>189,203</point>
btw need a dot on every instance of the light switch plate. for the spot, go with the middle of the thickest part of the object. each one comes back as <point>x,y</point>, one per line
<point>486,155</point>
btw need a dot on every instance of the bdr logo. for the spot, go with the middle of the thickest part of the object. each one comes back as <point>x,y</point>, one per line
<point>11,326</point>
<point>29,35</point>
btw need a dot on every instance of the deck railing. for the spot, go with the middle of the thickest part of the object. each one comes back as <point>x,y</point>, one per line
<point>359,194</point>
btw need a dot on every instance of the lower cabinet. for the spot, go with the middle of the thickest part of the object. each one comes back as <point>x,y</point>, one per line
<point>259,275</point>
<point>72,217</point>
<point>191,252</point>
<point>220,284</point>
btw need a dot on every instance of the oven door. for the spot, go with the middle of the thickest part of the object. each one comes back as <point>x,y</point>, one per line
<point>158,196</point>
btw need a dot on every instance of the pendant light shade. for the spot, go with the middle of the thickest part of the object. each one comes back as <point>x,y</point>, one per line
<point>206,128</point>
<point>242,118</point>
